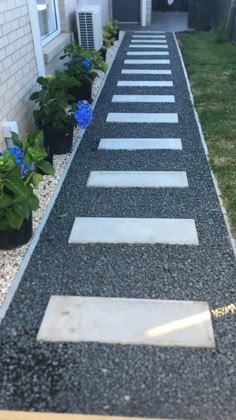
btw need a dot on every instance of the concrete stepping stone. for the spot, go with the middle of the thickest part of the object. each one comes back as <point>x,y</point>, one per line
<point>143,98</point>
<point>137,179</point>
<point>147,46</point>
<point>146,62</point>
<point>145,83</point>
<point>151,72</point>
<point>149,41</point>
<point>133,231</point>
<point>149,37</point>
<point>147,53</point>
<point>127,321</point>
<point>156,118</point>
<point>140,144</point>
<point>33,415</point>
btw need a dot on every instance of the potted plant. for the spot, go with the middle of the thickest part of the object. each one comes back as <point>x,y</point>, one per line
<point>111,28</point>
<point>106,44</point>
<point>32,145</point>
<point>83,66</point>
<point>17,198</point>
<point>115,29</point>
<point>53,115</point>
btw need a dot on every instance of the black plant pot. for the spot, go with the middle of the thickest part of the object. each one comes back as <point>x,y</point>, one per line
<point>13,238</point>
<point>81,93</point>
<point>117,34</point>
<point>58,139</point>
<point>103,53</point>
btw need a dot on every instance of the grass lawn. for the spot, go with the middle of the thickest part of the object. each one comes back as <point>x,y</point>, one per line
<point>212,71</point>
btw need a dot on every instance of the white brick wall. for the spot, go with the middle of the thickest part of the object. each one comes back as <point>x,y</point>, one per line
<point>18,69</point>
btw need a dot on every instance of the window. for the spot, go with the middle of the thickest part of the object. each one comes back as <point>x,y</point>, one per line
<point>48,19</point>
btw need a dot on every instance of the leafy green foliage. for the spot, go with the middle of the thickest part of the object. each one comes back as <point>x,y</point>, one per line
<point>34,151</point>
<point>17,198</point>
<point>76,67</point>
<point>52,100</point>
<point>220,33</point>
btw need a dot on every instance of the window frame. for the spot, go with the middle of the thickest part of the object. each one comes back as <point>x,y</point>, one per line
<point>57,32</point>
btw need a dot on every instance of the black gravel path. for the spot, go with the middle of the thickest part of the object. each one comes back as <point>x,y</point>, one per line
<point>141,381</point>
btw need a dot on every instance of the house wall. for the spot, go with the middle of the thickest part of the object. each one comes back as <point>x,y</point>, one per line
<point>17,62</point>
<point>18,67</point>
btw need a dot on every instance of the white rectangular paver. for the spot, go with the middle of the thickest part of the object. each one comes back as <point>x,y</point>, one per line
<point>137,179</point>
<point>156,118</point>
<point>143,98</point>
<point>127,230</point>
<point>127,321</point>
<point>149,41</point>
<point>146,61</point>
<point>145,83</point>
<point>148,35</point>
<point>149,46</point>
<point>140,144</point>
<point>147,53</point>
<point>151,72</point>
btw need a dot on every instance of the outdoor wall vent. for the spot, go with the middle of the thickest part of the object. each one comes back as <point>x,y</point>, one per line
<point>89,26</point>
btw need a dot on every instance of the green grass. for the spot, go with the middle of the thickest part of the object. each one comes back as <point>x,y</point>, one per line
<point>211,68</point>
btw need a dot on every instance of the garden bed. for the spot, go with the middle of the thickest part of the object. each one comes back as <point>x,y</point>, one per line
<point>10,261</point>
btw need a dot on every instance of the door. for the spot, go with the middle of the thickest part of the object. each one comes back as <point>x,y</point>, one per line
<point>126,11</point>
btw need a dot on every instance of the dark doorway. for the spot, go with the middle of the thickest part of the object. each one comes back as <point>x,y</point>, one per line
<point>177,6</point>
<point>126,11</point>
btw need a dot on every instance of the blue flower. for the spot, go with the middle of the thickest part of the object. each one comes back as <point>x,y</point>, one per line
<point>87,63</point>
<point>17,152</point>
<point>84,114</point>
<point>24,169</point>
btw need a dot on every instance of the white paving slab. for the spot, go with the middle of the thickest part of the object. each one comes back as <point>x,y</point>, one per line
<point>134,231</point>
<point>146,62</point>
<point>140,144</point>
<point>148,46</point>
<point>137,179</point>
<point>127,321</point>
<point>149,32</point>
<point>156,118</point>
<point>143,98</point>
<point>147,53</point>
<point>145,83</point>
<point>134,71</point>
<point>149,41</point>
<point>148,35</point>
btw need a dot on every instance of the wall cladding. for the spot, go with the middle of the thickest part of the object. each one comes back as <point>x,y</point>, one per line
<point>17,62</point>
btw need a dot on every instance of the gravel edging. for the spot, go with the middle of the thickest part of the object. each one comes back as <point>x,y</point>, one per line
<point>10,261</point>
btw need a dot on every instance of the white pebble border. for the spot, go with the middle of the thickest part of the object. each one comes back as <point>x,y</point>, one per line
<point>10,261</point>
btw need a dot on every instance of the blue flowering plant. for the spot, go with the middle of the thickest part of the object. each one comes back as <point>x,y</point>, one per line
<point>52,101</point>
<point>83,64</point>
<point>34,152</point>
<point>18,179</point>
<point>83,115</point>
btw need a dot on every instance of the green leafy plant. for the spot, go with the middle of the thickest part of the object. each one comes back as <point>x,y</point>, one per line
<point>17,198</point>
<point>35,154</point>
<point>111,29</point>
<point>220,33</point>
<point>84,64</point>
<point>106,39</point>
<point>52,100</point>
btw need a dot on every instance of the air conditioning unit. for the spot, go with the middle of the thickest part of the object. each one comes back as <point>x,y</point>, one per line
<point>89,26</point>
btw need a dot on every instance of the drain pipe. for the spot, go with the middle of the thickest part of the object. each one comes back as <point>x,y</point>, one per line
<point>143,12</point>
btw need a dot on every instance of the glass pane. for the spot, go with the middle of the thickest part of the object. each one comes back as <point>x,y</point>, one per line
<point>47,17</point>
